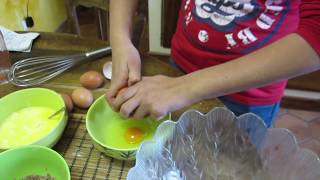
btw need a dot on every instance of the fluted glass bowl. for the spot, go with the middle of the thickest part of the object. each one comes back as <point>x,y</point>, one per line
<point>221,146</point>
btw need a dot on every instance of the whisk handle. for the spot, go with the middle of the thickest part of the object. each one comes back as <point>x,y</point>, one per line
<point>99,52</point>
<point>4,76</point>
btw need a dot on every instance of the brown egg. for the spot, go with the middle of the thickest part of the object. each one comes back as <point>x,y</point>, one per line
<point>67,101</point>
<point>82,97</point>
<point>91,79</point>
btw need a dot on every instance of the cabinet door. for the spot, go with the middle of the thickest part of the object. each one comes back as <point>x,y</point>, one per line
<point>170,9</point>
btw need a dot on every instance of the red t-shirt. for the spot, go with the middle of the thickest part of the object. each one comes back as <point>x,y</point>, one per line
<point>211,32</point>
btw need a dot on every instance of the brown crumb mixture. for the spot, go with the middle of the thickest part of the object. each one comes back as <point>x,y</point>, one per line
<point>37,177</point>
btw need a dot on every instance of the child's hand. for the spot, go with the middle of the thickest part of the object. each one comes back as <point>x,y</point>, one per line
<point>153,96</point>
<point>126,69</point>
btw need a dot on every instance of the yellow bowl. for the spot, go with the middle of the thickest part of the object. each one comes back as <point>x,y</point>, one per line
<point>27,99</point>
<point>107,130</point>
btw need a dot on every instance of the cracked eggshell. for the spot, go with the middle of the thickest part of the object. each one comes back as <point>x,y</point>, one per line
<point>107,70</point>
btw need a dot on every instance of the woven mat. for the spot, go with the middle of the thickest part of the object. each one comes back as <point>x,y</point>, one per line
<point>84,161</point>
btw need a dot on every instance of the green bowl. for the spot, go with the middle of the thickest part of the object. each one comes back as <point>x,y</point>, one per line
<point>24,161</point>
<point>107,130</point>
<point>39,97</point>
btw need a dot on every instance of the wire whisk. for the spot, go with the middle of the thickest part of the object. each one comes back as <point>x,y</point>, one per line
<point>37,70</point>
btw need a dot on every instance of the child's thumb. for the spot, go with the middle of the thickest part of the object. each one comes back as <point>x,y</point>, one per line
<point>134,76</point>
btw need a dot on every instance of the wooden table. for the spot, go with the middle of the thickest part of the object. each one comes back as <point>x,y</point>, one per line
<point>84,161</point>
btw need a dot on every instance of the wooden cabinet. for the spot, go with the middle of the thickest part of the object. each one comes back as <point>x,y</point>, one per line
<point>169,21</point>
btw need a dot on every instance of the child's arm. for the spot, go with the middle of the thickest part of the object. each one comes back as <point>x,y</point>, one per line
<point>156,96</point>
<point>286,58</point>
<point>125,57</point>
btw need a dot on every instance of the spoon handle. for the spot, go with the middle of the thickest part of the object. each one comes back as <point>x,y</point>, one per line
<point>57,112</point>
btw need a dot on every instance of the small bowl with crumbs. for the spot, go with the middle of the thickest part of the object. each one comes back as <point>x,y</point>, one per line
<point>33,162</point>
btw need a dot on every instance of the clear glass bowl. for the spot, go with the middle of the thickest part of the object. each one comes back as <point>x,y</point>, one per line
<point>221,146</point>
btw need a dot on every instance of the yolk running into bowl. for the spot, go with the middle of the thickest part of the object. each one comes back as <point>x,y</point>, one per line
<point>133,135</point>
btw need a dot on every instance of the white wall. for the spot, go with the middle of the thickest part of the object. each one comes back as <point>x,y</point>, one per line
<point>155,15</point>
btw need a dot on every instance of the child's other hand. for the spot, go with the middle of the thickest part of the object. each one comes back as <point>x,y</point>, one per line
<point>153,96</point>
<point>126,69</point>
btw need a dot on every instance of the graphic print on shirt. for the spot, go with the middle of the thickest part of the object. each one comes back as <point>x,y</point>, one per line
<point>223,15</point>
<point>238,25</point>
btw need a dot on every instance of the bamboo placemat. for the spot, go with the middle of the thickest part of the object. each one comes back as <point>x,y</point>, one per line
<point>84,161</point>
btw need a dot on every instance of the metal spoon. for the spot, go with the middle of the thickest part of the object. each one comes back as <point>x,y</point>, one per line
<point>57,112</point>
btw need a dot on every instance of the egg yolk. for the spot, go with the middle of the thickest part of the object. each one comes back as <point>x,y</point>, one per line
<point>133,135</point>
